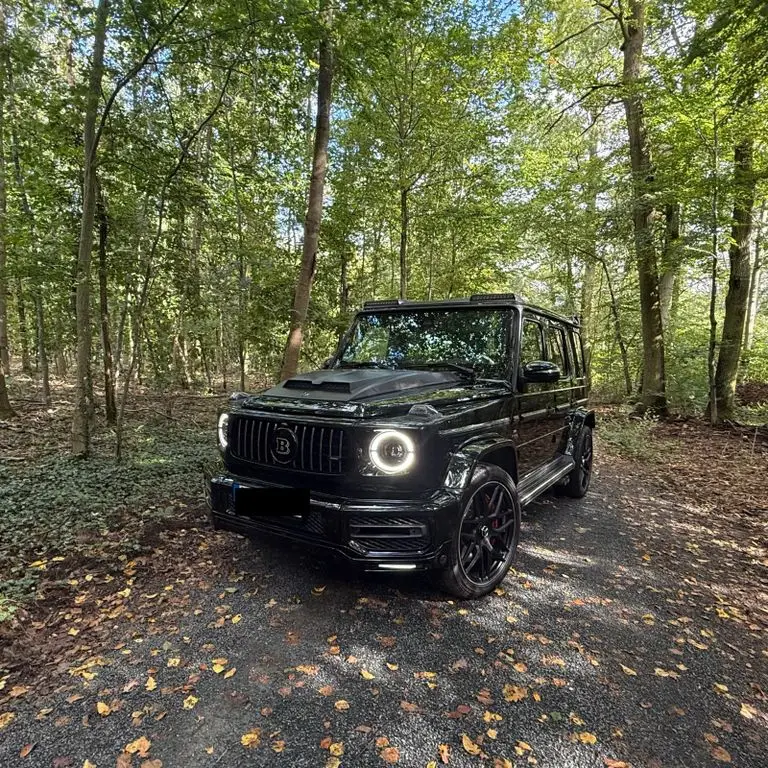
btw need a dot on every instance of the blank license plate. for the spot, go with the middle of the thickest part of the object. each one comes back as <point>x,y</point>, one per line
<point>271,502</point>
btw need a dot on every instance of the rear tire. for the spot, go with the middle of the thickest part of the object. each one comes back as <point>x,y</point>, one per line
<point>581,475</point>
<point>484,544</point>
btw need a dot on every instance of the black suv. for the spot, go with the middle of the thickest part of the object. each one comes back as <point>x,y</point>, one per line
<point>419,441</point>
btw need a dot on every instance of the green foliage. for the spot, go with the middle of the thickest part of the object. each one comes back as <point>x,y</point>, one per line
<point>631,437</point>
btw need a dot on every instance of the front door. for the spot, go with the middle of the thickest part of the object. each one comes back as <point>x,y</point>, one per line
<point>537,430</point>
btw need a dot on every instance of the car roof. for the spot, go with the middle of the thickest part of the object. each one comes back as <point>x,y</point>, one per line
<point>497,300</point>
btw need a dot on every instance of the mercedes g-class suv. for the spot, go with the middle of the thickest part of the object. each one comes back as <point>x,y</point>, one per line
<point>418,442</point>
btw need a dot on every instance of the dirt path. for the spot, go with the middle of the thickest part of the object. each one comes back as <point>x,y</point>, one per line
<point>633,632</point>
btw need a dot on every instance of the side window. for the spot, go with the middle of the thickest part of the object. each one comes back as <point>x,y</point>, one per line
<point>531,347</point>
<point>556,337</point>
<point>578,366</point>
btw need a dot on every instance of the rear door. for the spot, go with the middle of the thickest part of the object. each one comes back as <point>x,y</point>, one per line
<point>560,353</point>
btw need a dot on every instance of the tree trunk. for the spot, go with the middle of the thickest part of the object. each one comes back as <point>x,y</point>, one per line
<point>654,396</point>
<point>712,351</point>
<point>315,202</point>
<point>110,406</point>
<point>737,298</point>
<point>754,290</point>
<point>81,438</point>
<point>6,411</point>
<point>403,243</point>
<point>5,358</point>
<point>42,355</point>
<point>588,312</point>
<point>670,263</point>
<point>21,310</point>
<point>617,330</point>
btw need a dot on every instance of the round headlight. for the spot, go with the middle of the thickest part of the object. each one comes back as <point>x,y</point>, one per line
<point>392,451</point>
<point>224,430</point>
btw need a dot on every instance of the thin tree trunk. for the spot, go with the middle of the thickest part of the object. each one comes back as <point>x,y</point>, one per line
<point>6,411</point>
<point>315,204</point>
<point>617,330</point>
<point>81,438</point>
<point>670,263</point>
<point>754,289</point>
<point>5,358</point>
<point>106,344</point>
<point>737,298</point>
<point>403,243</point>
<point>654,396</point>
<point>21,310</point>
<point>712,351</point>
<point>42,355</point>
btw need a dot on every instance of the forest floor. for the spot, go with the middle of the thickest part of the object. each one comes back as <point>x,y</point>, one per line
<point>632,632</point>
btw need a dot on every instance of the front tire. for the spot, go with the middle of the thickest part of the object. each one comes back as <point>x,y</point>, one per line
<point>581,475</point>
<point>485,541</point>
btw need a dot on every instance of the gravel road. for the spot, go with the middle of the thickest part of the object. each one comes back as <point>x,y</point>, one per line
<point>630,634</point>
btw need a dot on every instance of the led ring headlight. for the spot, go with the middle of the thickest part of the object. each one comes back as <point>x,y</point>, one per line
<point>223,429</point>
<point>392,451</point>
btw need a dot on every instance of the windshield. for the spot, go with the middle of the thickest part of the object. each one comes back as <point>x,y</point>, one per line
<point>471,339</point>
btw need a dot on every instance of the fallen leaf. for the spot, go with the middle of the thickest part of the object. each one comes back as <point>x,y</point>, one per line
<point>585,737</point>
<point>444,751</point>
<point>218,668</point>
<point>611,763</point>
<point>236,619</point>
<point>325,742</point>
<point>390,755</point>
<point>307,669</point>
<point>124,760</point>
<point>155,763</point>
<point>747,711</point>
<point>251,738</point>
<point>139,747</point>
<point>628,671</point>
<point>392,666</point>
<point>381,742</point>
<point>332,762</point>
<point>502,762</point>
<point>720,688</point>
<point>469,745</point>
<point>491,717</point>
<point>26,749</point>
<point>408,706</point>
<point>229,673</point>
<point>326,690</point>
<point>492,733</point>
<point>337,748</point>
<point>514,692</point>
<point>277,746</point>
<point>174,662</point>
<point>521,747</point>
<point>366,675</point>
<point>342,705</point>
<point>190,701</point>
<point>720,754</point>
<point>89,764</point>
<point>151,684</point>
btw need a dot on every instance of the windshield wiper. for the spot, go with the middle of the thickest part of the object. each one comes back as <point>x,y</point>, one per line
<point>463,369</point>
<point>365,364</point>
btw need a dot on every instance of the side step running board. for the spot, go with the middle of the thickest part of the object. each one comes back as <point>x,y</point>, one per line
<point>544,477</point>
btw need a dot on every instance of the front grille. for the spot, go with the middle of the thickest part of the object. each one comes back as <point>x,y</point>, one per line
<point>389,534</point>
<point>303,447</point>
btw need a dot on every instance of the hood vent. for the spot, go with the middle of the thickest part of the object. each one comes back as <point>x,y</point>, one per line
<point>322,386</point>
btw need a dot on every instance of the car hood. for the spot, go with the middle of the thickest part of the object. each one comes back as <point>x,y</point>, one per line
<point>362,392</point>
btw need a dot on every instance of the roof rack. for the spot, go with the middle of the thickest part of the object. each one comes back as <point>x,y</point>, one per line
<point>383,303</point>
<point>482,297</point>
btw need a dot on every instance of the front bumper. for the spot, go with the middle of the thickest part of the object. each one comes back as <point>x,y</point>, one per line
<point>373,534</point>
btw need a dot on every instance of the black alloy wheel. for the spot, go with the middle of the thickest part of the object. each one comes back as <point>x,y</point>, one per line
<point>486,540</point>
<point>583,455</point>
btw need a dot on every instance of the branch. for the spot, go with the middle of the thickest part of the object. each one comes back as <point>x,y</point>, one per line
<point>576,102</point>
<point>571,36</point>
<point>619,16</point>
<point>132,72</point>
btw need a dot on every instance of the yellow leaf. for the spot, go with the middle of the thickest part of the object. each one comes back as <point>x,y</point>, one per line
<point>628,671</point>
<point>332,762</point>
<point>102,708</point>
<point>252,738</point>
<point>536,696</point>
<point>393,667</point>
<point>307,669</point>
<point>492,733</point>
<point>88,764</point>
<point>278,746</point>
<point>230,672</point>
<point>342,705</point>
<point>218,668</point>
<point>720,754</point>
<point>747,711</point>
<point>139,747</point>
<point>491,717</point>
<point>209,750</point>
<point>221,661</point>
<point>366,675</point>
<point>444,750</point>
<point>190,701</point>
<point>337,748</point>
<point>585,737</point>
<point>514,692</point>
<point>151,683</point>
<point>236,619</point>
<point>73,632</point>
<point>469,745</point>
<point>174,662</point>
<point>720,688</point>
<point>522,747</point>
<point>432,764</point>
<point>502,762</point>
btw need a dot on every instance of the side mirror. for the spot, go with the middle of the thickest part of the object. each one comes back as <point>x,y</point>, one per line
<point>541,372</point>
<point>327,363</point>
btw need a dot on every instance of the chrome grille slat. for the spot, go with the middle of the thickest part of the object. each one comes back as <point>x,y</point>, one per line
<point>315,448</point>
